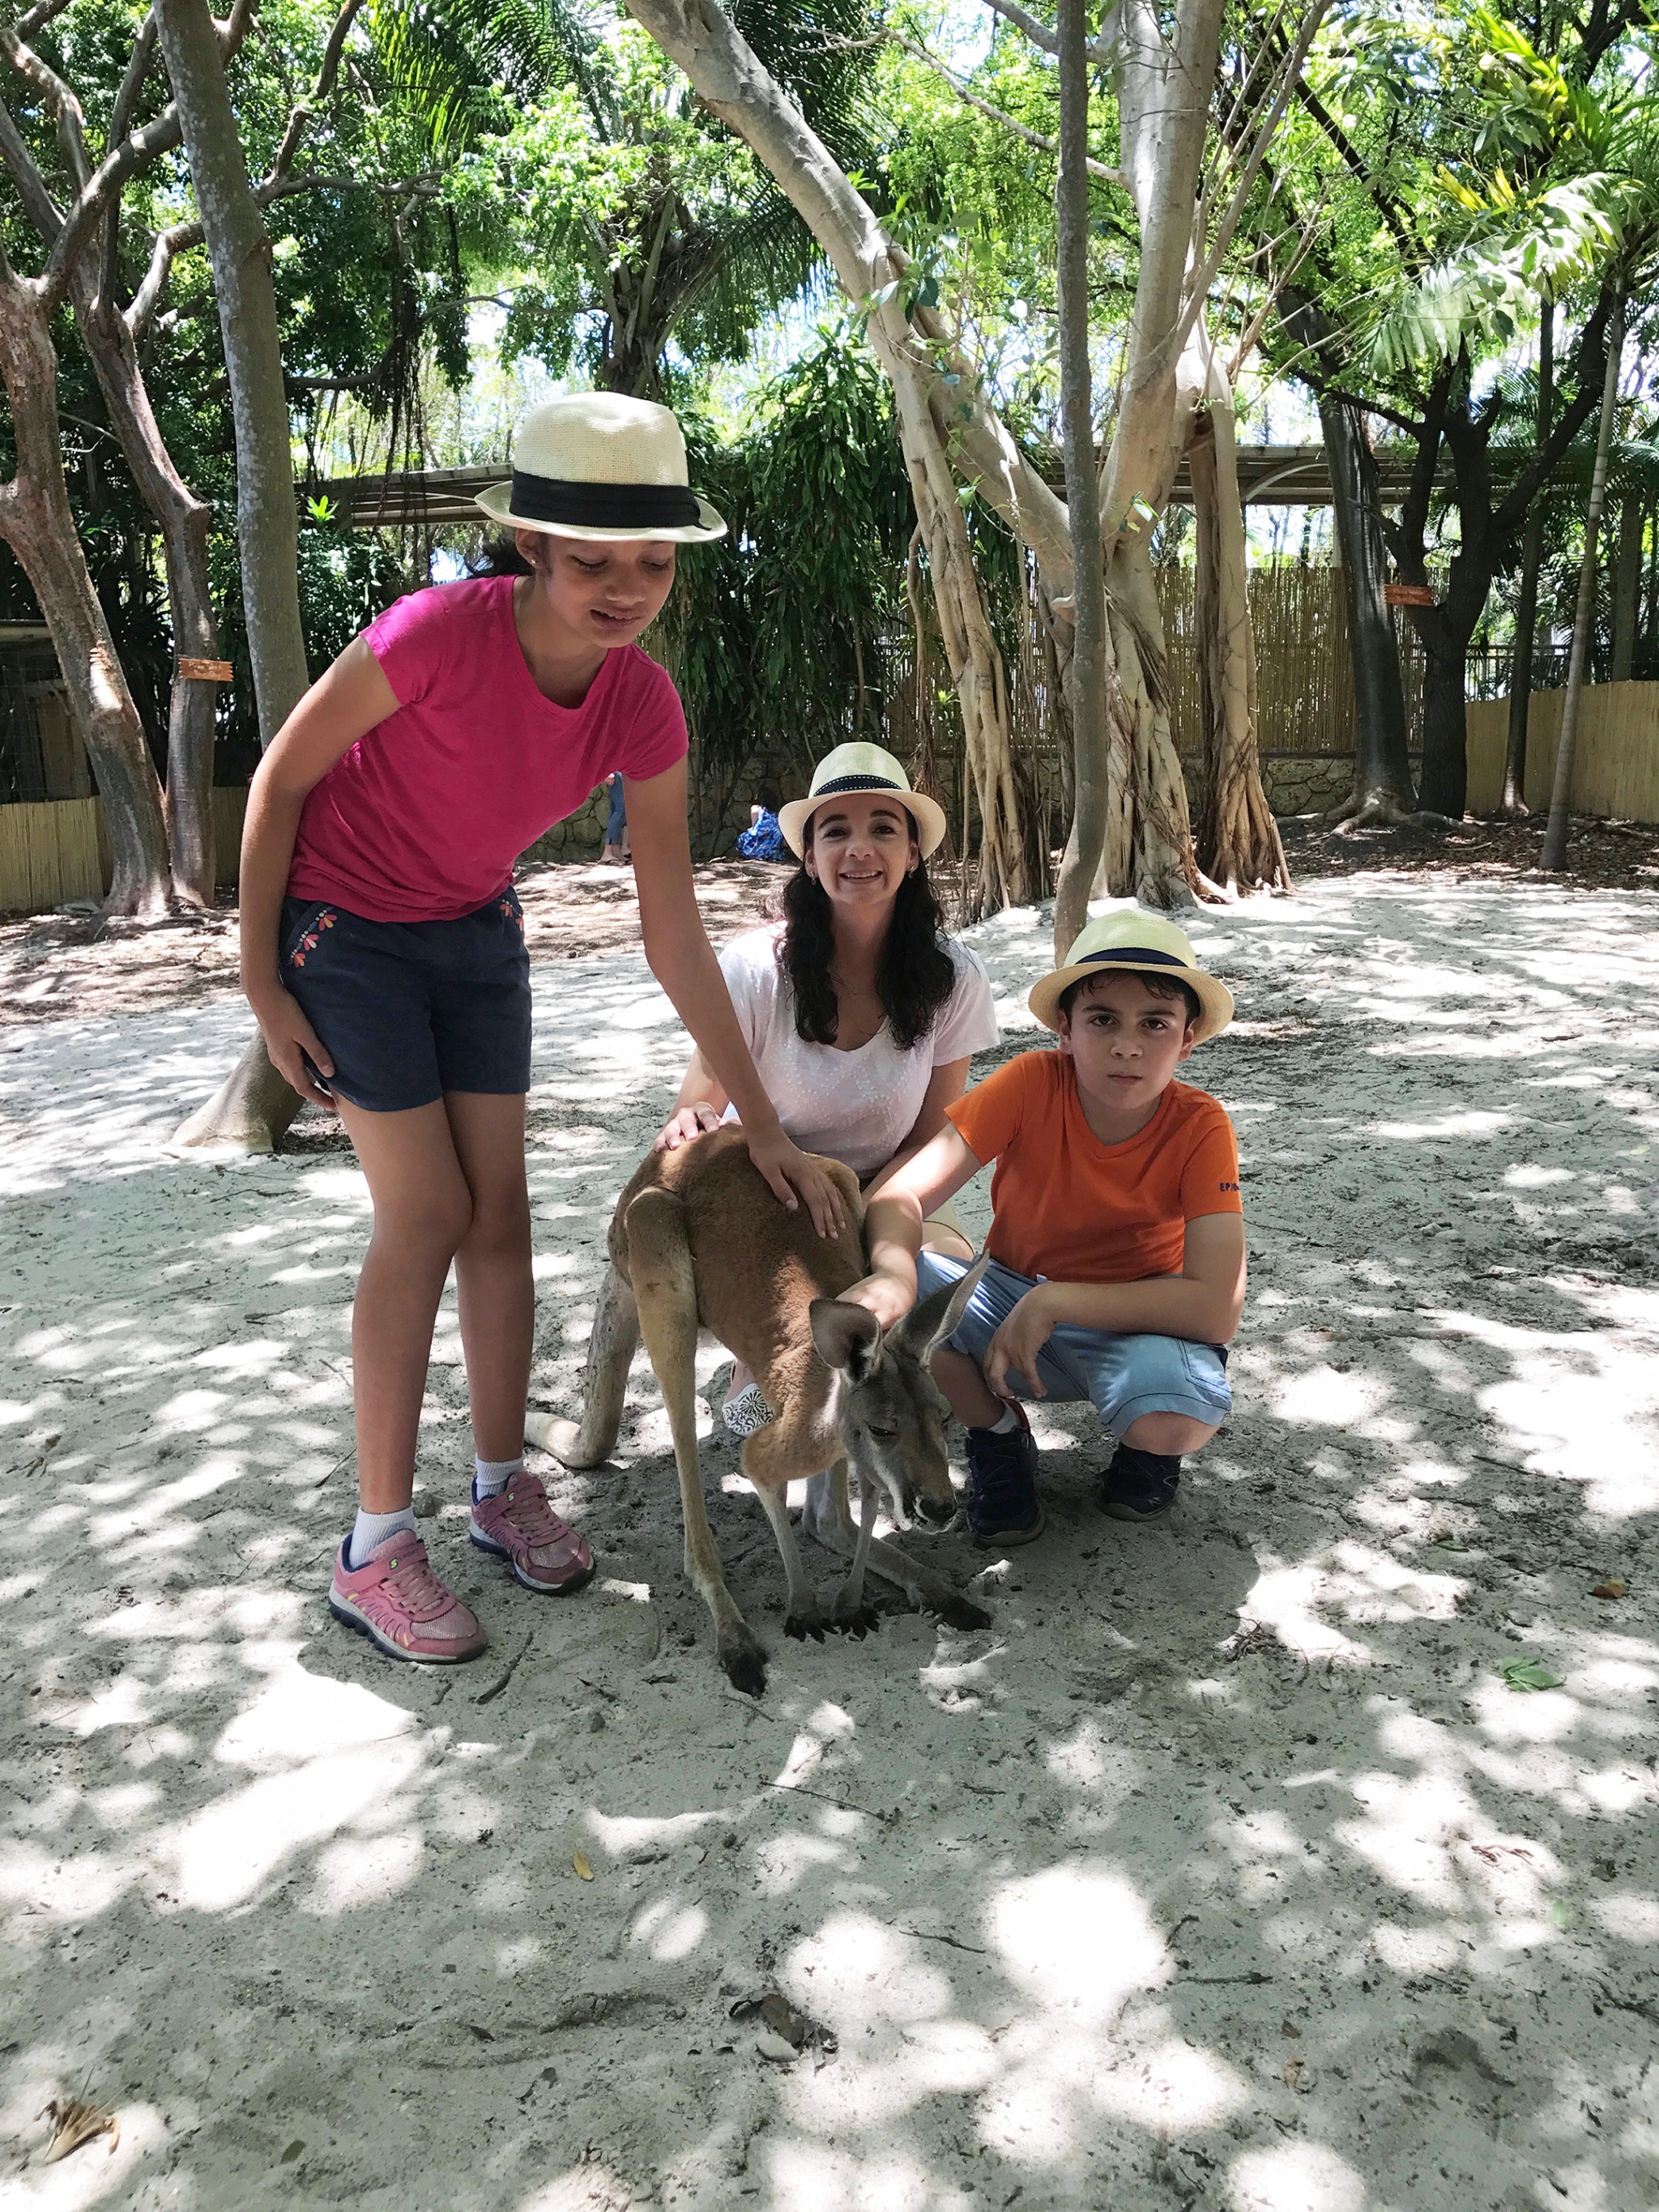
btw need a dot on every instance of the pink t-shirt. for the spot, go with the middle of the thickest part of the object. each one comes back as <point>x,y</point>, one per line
<point>423,819</point>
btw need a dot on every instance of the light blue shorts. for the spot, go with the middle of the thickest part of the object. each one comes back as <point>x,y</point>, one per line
<point>1125,1376</point>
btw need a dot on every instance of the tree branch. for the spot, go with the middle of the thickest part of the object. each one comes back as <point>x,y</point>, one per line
<point>305,110</point>
<point>36,18</point>
<point>1385,203</point>
<point>1412,429</point>
<point>1205,276</point>
<point>135,153</point>
<point>184,236</point>
<point>1040,35</point>
<point>970,99</point>
<point>70,122</point>
<point>126,99</point>
<point>1591,367</point>
<point>42,210</point>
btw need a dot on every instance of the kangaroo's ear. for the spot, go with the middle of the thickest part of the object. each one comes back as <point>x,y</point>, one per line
<point>935,1317</point>
<point>847,1337</point>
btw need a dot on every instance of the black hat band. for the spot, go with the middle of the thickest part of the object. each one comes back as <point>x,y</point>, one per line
<point>603,506</point>
<point>856,783</point>
<point>1141,956</point>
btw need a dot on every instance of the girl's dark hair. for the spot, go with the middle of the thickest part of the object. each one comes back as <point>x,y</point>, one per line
<point>768,794</point>
<point>499,557</point>
<point>913,980</point>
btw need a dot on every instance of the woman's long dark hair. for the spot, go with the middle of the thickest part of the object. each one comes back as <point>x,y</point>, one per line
<point>915,975</point>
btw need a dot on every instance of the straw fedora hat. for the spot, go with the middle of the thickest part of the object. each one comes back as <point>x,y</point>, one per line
<point>1138,942</point>
<point>598,464</point>
<point>861,768</point>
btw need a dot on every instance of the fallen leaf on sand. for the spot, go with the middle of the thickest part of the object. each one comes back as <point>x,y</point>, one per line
<point>1528,1675</point>
<point>74,2122</point>
<point>583,1869</point>
<point>1292,2068</point>
<point>1613,1587</point>
<point>782,2021</point>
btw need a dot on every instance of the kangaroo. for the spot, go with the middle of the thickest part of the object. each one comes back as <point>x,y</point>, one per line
<point>698,1239</point>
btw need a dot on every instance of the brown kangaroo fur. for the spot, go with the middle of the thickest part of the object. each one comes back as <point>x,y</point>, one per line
<point>698,1240</point>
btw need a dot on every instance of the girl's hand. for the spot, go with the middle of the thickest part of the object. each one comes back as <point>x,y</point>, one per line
<point>287,1036</point>
<point>689,1123</point>
<point>789,1170</point>
<point>1017,1345</point>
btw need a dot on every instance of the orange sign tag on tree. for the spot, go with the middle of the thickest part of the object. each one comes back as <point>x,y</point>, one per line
<point>1408,595</point>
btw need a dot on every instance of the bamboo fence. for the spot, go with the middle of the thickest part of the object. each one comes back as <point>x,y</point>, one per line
<point>1615,765</point>
<point>57,849</point>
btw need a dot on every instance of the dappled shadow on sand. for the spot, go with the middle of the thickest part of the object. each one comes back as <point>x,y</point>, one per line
<point>1224,1870</point>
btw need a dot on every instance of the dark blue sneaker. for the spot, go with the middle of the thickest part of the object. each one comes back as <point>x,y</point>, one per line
<point>1000,1504</point>
<point>1138,1485</point>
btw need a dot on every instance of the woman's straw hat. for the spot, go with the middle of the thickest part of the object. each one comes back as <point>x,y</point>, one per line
<point>861,768</point>
<point>1140,943</point>
<point>598,464</point>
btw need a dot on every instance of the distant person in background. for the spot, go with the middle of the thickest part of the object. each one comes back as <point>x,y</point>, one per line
<point>763,840</point>
<point>617,850</point>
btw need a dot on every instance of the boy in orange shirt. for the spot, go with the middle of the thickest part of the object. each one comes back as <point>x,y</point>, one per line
<point>1117,1238</point>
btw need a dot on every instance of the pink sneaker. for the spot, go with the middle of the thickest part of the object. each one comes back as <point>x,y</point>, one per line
<point>397,1601</point>
<point>518,1525</point>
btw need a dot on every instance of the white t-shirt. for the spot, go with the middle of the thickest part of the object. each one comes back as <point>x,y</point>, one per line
<point>857,1107</point>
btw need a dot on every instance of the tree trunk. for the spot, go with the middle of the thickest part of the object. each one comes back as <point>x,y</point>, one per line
<point>949,431</point>
<point>1085,842</point>
<point>183,520</point>
<point>267,525</point>
<point>999,877</point>
<point>1514,800</point>
<point>1445,729</point>
<point>1382,789</point>
<point>37,523</point>
<point>1238,840</point>
<point>250,1112</point>
<point>1164,87</point>
<point>1626,586</point>
<point>254,1106</point>
<point>1555,834</point>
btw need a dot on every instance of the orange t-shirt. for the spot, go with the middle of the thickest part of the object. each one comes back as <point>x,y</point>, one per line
<point>1068,1207</point>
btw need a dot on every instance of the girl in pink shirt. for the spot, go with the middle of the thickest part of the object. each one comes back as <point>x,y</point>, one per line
<point>383,954</point>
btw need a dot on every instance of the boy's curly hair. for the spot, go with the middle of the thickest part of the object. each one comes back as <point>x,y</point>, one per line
<point>1161,986</point>
<point>916,975</point>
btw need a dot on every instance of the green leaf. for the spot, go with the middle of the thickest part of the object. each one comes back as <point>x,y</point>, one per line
<point>1528,1675</point>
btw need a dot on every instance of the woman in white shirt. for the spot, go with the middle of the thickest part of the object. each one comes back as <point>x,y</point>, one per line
<point>860,1014</point>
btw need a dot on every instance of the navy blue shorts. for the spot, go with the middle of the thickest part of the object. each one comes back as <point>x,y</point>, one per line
<point>409,1010</point>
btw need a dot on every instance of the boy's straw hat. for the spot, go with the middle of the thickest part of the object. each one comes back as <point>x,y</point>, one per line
<point>861,768</point>
<point>1140,943</point>
<point>599,464</point>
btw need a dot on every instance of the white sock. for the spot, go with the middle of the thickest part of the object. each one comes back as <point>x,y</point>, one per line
<point>492,1475</point>
<point>1010,1420</point>
<point>373,1528</point>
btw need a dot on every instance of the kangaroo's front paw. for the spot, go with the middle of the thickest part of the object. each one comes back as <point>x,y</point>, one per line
<point>803,1622</point>
<point>744,1660</point>
<point>850,1616</point>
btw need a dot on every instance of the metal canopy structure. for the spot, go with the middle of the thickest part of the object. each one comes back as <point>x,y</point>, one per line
<point>434,499</point>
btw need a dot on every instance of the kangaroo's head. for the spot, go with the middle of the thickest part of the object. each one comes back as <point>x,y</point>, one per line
<point>889,1410</point>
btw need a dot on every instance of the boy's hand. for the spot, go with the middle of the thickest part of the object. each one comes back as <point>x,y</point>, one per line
<point>1017,1344</point>
<point>885,1295</point>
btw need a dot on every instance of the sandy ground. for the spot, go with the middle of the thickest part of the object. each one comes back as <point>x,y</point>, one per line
<point>1224,1871</point>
